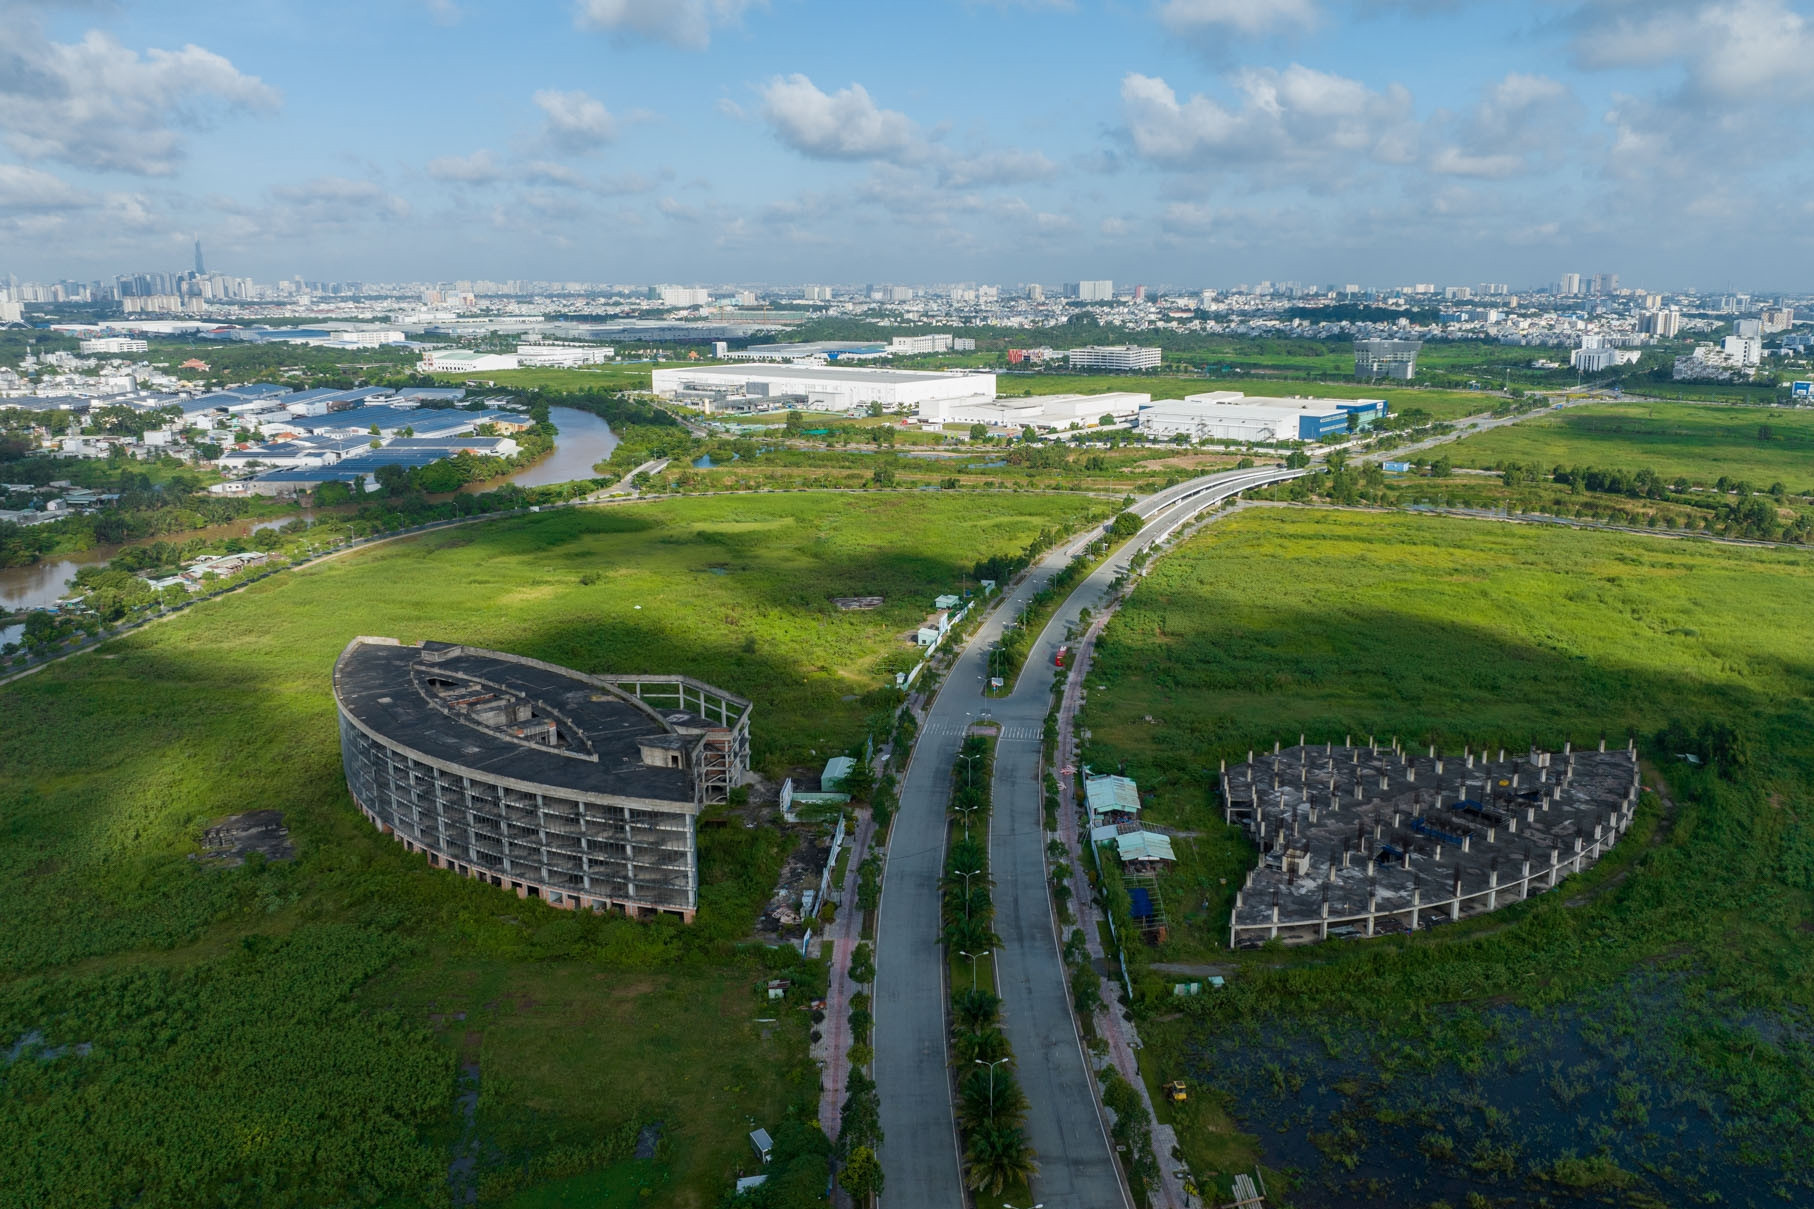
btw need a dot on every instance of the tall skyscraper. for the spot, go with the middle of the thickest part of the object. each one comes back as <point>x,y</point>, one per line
<point>200,269</point>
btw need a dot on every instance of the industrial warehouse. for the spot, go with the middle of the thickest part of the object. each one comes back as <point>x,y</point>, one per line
<point>1360,841</point>
<point>816,387</point>
<point>580,790</point>
<point>1229,415</point>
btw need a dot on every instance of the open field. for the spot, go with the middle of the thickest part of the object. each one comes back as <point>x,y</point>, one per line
<point>1700,443</point>
<point>1644,1029</point>
<point>293,1033</point>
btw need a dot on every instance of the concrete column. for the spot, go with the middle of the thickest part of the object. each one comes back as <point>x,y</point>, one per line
<point>1555,861</point>
<point>1492,889</point>
<point>1455,900</point>
<point>1525,881</point>
<point>1416,904</point>
<point>1322,932</point>
<point>1467,841</point>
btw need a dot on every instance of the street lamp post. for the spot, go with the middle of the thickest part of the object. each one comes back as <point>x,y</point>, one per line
<point>991,1066</point>
<point>966,811</point>
<point>966,877</point>
<point>973,957</point>
<point>968,761</point>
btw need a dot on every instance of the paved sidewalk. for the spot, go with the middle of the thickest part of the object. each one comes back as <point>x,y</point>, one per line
<point>836,945</point>
<point>1110,1025</point>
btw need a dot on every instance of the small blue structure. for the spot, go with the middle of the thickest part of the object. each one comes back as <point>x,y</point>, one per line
<point>1423,826</point>
<point>1141,901</point>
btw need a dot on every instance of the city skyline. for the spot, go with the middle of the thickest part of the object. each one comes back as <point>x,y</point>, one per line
<point>1188,141</point>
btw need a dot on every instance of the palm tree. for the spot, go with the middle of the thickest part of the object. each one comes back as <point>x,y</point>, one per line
<point>969,936</point>
<point>981,1102</point>
<point>969,1046</point>
<point>998,1155</point>
<point>976,1008</point>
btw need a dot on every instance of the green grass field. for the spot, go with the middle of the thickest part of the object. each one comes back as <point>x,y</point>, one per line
<point>1700,443</point>
<point>1271,624</point>
<point>291,1033</point>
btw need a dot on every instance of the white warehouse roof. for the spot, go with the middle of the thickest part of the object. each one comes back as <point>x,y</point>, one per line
<point>828,386</point>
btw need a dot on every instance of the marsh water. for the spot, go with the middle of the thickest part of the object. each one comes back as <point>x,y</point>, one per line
<point>1604,1102</point>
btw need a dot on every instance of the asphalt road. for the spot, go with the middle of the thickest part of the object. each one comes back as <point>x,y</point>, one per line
<point>919,1153</point>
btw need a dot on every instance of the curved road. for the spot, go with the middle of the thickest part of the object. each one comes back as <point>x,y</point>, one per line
<point>920,1157</point>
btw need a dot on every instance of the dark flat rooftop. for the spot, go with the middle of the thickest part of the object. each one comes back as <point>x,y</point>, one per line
<point>384,688</point>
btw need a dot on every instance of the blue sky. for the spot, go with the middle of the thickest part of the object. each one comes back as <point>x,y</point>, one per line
<point>1179,142</point>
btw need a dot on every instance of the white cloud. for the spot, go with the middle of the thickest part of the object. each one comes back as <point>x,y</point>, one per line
<point>683,23</point>
<point>1010,167</point>
<point>100,105</point>
<point>336,200</point>
<point>1728,49</point>
<point>1215,19</point>
<point>845,125</point>
<point>28,190</point>
<point>1187,218</point>
<point>576,121</point>
<point>1520,123</point>
<point>476,169</point>
<point>1298,119</point>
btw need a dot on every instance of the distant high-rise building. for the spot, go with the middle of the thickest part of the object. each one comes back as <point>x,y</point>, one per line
<point>1090,291</point>
<point>1393,358</point>
<point>1570,285</point>
<point>1139,293</point>
<point>200,269</point>
<point>1604,283</point>
<point>1036,293</point>
<point>1661,323</point>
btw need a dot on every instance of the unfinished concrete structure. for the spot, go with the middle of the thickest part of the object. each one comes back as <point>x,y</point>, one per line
<point>581,790</point>
<point>1359,841</point>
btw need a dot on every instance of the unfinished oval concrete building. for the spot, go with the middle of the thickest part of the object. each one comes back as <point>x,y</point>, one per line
<point>581,790</point>
<point>1360,841</point>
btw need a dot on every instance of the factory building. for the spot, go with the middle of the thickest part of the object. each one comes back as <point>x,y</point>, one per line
<point>1229,415</point>
<point>461,361</point>
<point>1121,358</point>
<point>815,387</point>
<point>580,790</point>
<point>1039,411</point>
<point>1392,358</point>
<point>810,350</point>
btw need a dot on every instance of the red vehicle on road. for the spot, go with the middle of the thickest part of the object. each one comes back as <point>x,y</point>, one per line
<point>1058,659</point>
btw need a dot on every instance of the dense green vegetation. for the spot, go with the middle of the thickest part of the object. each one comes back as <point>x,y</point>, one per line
<point>1459,632</point>
<point>991,1107</point>
<point>1761,445</point>
<point>294,1033</point>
